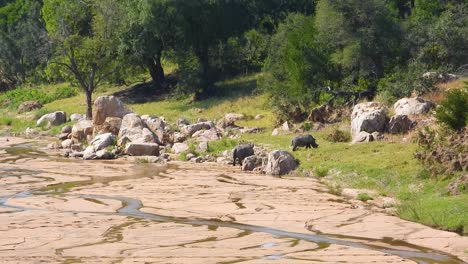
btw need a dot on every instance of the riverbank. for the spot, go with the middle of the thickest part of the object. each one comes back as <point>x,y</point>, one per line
<point>59,209</point>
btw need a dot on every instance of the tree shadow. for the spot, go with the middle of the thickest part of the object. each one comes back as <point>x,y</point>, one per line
<point>228,90</point>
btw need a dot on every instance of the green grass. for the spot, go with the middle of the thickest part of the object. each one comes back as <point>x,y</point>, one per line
<point>364,197</point>
<point>15,125</point>
<point>218,147</point>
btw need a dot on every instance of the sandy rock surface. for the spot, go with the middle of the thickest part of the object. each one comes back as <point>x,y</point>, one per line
<point>61,210</point>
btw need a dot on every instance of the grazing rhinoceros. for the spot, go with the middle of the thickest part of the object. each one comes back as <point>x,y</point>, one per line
<point>307,141</point>
<point>241,152</point>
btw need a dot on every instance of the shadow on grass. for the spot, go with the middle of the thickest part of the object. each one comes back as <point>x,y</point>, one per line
<point>228,90</point>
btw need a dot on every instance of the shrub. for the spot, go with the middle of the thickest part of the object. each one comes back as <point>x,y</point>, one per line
<point>441,151</point>
<point>364,197</point>
<point>453,111</point>
<point>338,135</point>
<point>321,171</point>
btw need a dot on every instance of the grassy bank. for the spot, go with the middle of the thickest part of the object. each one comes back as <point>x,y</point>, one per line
<point>387,167</point>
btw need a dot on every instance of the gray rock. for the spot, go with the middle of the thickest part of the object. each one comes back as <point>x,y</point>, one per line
<point>203,147</point>
<point>369,117</point>
<point>76,147</point>
<point>275,132</point>
<point>111,125</point>
<point>89,153</point>
<point>123,141</point>
<point>233,117</point>
<point>108,106</point>
<point>155,124</point>
<point>63,136</point>
<point>66,144</point>
<point>182,122</point>
<point>207,135</point>
<point>30,131</point>
<point>412,106</point>
<point>191,156</point>
<point>280,162</point>
<point>28,106</point>
<point>77,117</point>
<point>363,137</point>
<point>197,160</point>
<point>82,129</point>
<point>53,119</point>
<point>104,155</point>
<point>66,129</point>
<point>191,129</point>
<point>103,141</point>
<point>178,148</point>
<point>259,117</point>
<point>179,137</point>
<point>135,129</point>
<point>400,124</point>
<point>142,149</point>
<point>378,136</point>
<point>251,163</point>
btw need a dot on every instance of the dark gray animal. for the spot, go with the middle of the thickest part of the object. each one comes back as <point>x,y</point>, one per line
<point>306,141</point>
<point>241,152</point>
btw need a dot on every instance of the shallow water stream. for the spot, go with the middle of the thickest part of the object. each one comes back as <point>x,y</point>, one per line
<point>61,210</point>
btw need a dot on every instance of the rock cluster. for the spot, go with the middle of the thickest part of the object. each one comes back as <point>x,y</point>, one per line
<point>369,120</point>
<point>116,131</point>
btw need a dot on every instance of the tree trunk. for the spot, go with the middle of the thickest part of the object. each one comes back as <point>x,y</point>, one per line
<point>89,104</point>
<point>206,81</point>
<point>156,70</point>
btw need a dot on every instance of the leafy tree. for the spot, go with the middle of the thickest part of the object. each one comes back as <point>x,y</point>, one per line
<point>23,41</point>
<point>150,30</point>
<point>439,36</point>
<point>206,24</point>
<point>297,67</point>
<point>362,36</point>
<point>86,40</point>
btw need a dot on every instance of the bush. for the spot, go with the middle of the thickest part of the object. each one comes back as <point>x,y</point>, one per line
<point>442,152</point>
<point>364,197</point>
<point>338,135</point>
<point>453,111</point>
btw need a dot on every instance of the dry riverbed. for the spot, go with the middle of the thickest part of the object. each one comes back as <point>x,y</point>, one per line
<point>64,210</point>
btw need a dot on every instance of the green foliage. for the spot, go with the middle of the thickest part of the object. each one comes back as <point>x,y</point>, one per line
<point>297,67</point>
<point>363,45</point>
<point>86,38</point>
<point>219,146</point>
<point>438,34</point>
<point>321,171</point>
<point>453,111</point>
<point>364,197</point>
<point>402,82</point>
<point>14,98</point>
<point>23,42</point>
